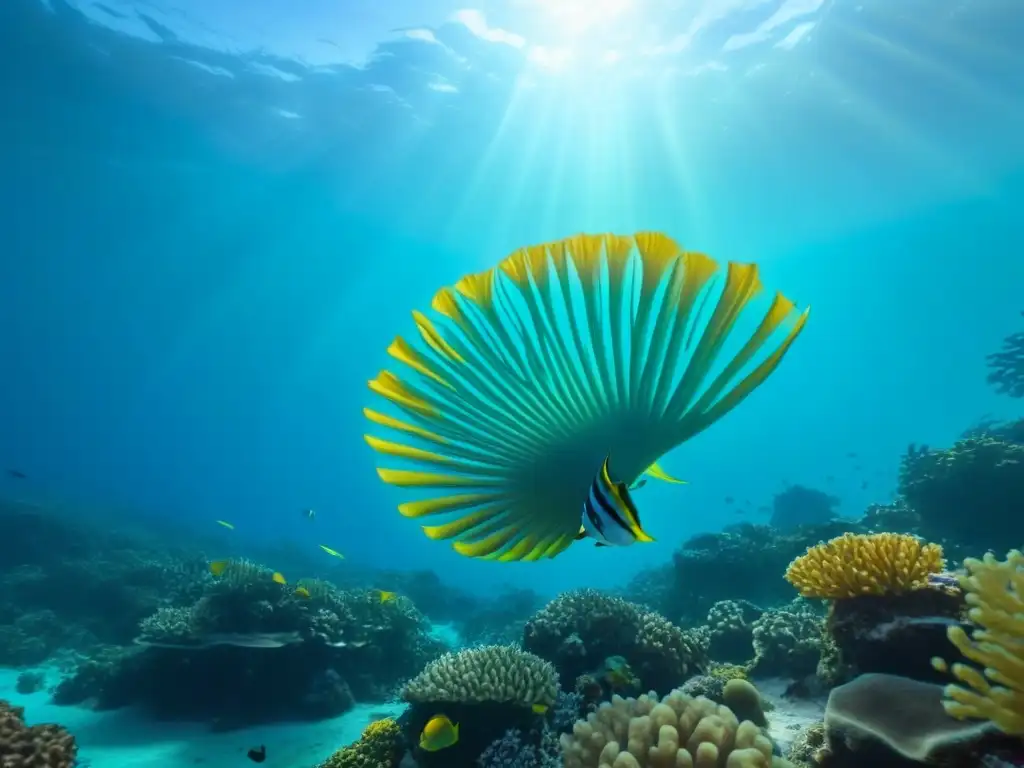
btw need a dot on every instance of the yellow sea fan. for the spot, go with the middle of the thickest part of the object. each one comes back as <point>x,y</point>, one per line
<point>860,564</point>
<point>995,593</point>
<point>530,373</point>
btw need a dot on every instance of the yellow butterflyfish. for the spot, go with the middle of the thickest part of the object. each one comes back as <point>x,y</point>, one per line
<point>439,733</point>
<point>302,593</point>
<point>278,578</point>
<point>596,353</point>
<point>385,596</point>
<point>217,567</point>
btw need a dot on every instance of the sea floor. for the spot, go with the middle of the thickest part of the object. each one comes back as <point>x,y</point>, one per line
<point>127,739</point>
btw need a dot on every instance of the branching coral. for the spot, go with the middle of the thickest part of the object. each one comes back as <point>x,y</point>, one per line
<point>995,593</point>
<point>864,564</point>
<point>38,746</point>
<point>1006,367</point>
<point>678,731</point>
<point>490,673</point>
<point>380,746</point>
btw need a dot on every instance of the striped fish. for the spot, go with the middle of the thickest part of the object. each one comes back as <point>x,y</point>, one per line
<point>609,514</point>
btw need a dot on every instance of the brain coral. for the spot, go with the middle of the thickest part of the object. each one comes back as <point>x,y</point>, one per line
<point>38,746</point>
<point>677,732</point>
<point>489,673</point>
<point>864,564</point>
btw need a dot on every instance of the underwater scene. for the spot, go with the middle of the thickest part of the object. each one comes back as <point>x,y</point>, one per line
<point>512,384</point>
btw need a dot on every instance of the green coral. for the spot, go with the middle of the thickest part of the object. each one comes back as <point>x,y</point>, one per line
<point>380,746</point>
<point>581,626</point>
<point>490,673</point>
<point>730,623</point>
<point>970,493</point>
<point>787,643</point>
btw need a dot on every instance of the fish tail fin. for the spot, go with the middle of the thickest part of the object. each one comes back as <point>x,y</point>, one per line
<point>658,473</point>
<point>582,534</point>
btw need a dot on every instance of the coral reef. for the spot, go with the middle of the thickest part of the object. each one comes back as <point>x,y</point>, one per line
<point>735,564</point>
<point>514,750</point>
<point>37,746</point>
<point>1006,367</point>
<point>380,746</point>
<point>678,730</point>
<point>70,584</point>
<point>864,564</point>
<point>806,746</point>
<point>730,624</point>
<point>797,506</point>
<point>486,691</point>
<point>787,643</point>
<point>314,654</point>
<point>995,594</point>
<point>494,673</point>
<point>578,630</point>
<point>887,606</point>
<point>971,493</point>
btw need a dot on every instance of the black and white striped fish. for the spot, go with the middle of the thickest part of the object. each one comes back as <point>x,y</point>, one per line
<point>609,514</point>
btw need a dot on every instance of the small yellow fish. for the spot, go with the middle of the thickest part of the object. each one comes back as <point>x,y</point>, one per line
<point>540,709</point>
<point>278,578</point>
<point>332,552</point>
<point>302,592</point>
<point>217,567</point>
<point>439,733</point>
<point>226,524</point>
<point>387,597</point>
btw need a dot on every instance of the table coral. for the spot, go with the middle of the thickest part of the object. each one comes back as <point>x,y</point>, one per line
<point>864,564</point>
<point>995,593</point>
<point>37,746</point>
<point>677,731</point>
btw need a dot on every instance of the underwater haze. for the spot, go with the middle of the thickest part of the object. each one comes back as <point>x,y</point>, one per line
<point>217,216</point>
<point>511,383</point>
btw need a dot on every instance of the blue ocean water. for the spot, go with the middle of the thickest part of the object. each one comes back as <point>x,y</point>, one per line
<point>217,215</point>
<point>216,220</point>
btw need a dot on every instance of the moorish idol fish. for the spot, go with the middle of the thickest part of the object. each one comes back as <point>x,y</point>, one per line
<point>528,375</point>
<point>609,514</point>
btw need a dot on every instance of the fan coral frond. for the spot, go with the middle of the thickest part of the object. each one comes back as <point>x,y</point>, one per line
<point>532,373</point>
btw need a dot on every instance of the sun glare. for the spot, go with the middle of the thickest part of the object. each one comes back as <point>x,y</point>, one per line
<point>570,36</point>
<point>573,18</point>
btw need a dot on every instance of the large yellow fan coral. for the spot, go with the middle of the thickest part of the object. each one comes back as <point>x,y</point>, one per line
<point>864,564</point>
<point>995,593</point>
<point>566,353</point>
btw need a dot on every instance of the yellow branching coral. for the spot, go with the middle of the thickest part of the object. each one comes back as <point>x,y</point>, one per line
<point>859,564</point>
<point>995,593</point>
<point>380,746</point>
